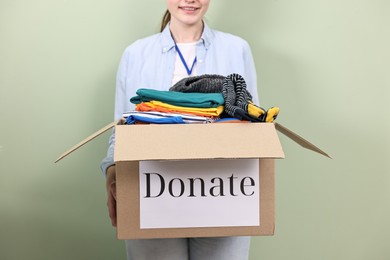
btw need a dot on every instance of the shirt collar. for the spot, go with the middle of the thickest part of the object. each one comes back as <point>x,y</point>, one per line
<point>168,43</point>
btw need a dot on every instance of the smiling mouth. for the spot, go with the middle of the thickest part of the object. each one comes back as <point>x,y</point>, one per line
<point>187,8</point>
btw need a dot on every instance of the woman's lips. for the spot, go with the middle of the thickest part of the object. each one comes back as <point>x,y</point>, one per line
<point>189,9</point>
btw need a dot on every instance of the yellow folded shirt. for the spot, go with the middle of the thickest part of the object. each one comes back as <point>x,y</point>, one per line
<point>164,107</point>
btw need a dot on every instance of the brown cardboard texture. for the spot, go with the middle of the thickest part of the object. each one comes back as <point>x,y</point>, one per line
<point>233,141</point>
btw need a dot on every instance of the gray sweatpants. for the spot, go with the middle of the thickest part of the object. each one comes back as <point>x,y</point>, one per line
<point>220,248</point>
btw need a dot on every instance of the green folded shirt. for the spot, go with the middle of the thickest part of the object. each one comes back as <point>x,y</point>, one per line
<point>194,99</point>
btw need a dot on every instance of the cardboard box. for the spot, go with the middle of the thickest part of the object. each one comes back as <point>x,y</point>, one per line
<point>138,146</point>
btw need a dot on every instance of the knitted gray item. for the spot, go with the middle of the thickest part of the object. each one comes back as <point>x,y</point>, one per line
<point>232,87</point>
<point>208,83</point>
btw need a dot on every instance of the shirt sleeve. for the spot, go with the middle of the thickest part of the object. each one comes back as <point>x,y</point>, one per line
<point>120,107</point>
<point>250,71</point>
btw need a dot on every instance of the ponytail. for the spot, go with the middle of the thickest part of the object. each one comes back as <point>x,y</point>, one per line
<point>165,20</point>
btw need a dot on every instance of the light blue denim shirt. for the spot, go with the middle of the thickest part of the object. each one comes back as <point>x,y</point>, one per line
<point>149,63</point>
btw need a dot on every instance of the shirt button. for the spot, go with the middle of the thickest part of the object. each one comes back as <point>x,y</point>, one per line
<point>200,61</point>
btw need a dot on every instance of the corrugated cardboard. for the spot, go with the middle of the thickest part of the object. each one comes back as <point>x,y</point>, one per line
<point>196,141</point>
<point>136,143</point>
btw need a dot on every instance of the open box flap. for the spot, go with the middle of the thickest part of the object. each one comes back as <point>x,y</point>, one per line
<point>296,138</point>
<point>299,140</point>
<point>88,139</point>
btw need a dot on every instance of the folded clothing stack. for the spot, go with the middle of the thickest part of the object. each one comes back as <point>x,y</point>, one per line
<point>211,97</point>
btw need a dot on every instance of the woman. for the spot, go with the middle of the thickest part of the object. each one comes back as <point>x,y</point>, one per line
<point>186,46</point>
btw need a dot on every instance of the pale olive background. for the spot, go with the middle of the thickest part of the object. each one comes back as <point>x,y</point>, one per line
<point>325,63</point>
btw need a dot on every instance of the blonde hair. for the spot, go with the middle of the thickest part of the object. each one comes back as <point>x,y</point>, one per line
<point>165,20</point>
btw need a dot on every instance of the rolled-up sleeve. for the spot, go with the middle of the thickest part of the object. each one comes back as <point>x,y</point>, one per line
<point>109,159</point>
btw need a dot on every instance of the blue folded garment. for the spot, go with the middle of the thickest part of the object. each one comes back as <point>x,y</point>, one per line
<point>132,119</point>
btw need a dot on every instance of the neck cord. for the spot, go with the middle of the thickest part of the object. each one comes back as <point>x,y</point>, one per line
<point>189,70</point>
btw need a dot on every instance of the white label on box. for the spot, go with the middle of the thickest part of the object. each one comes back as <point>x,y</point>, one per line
<point>199,193</point>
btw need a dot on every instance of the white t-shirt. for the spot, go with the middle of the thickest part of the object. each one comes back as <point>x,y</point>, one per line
<point>188,50</point>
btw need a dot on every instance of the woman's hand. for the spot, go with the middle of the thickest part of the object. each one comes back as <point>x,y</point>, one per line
<point>111,193</point>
